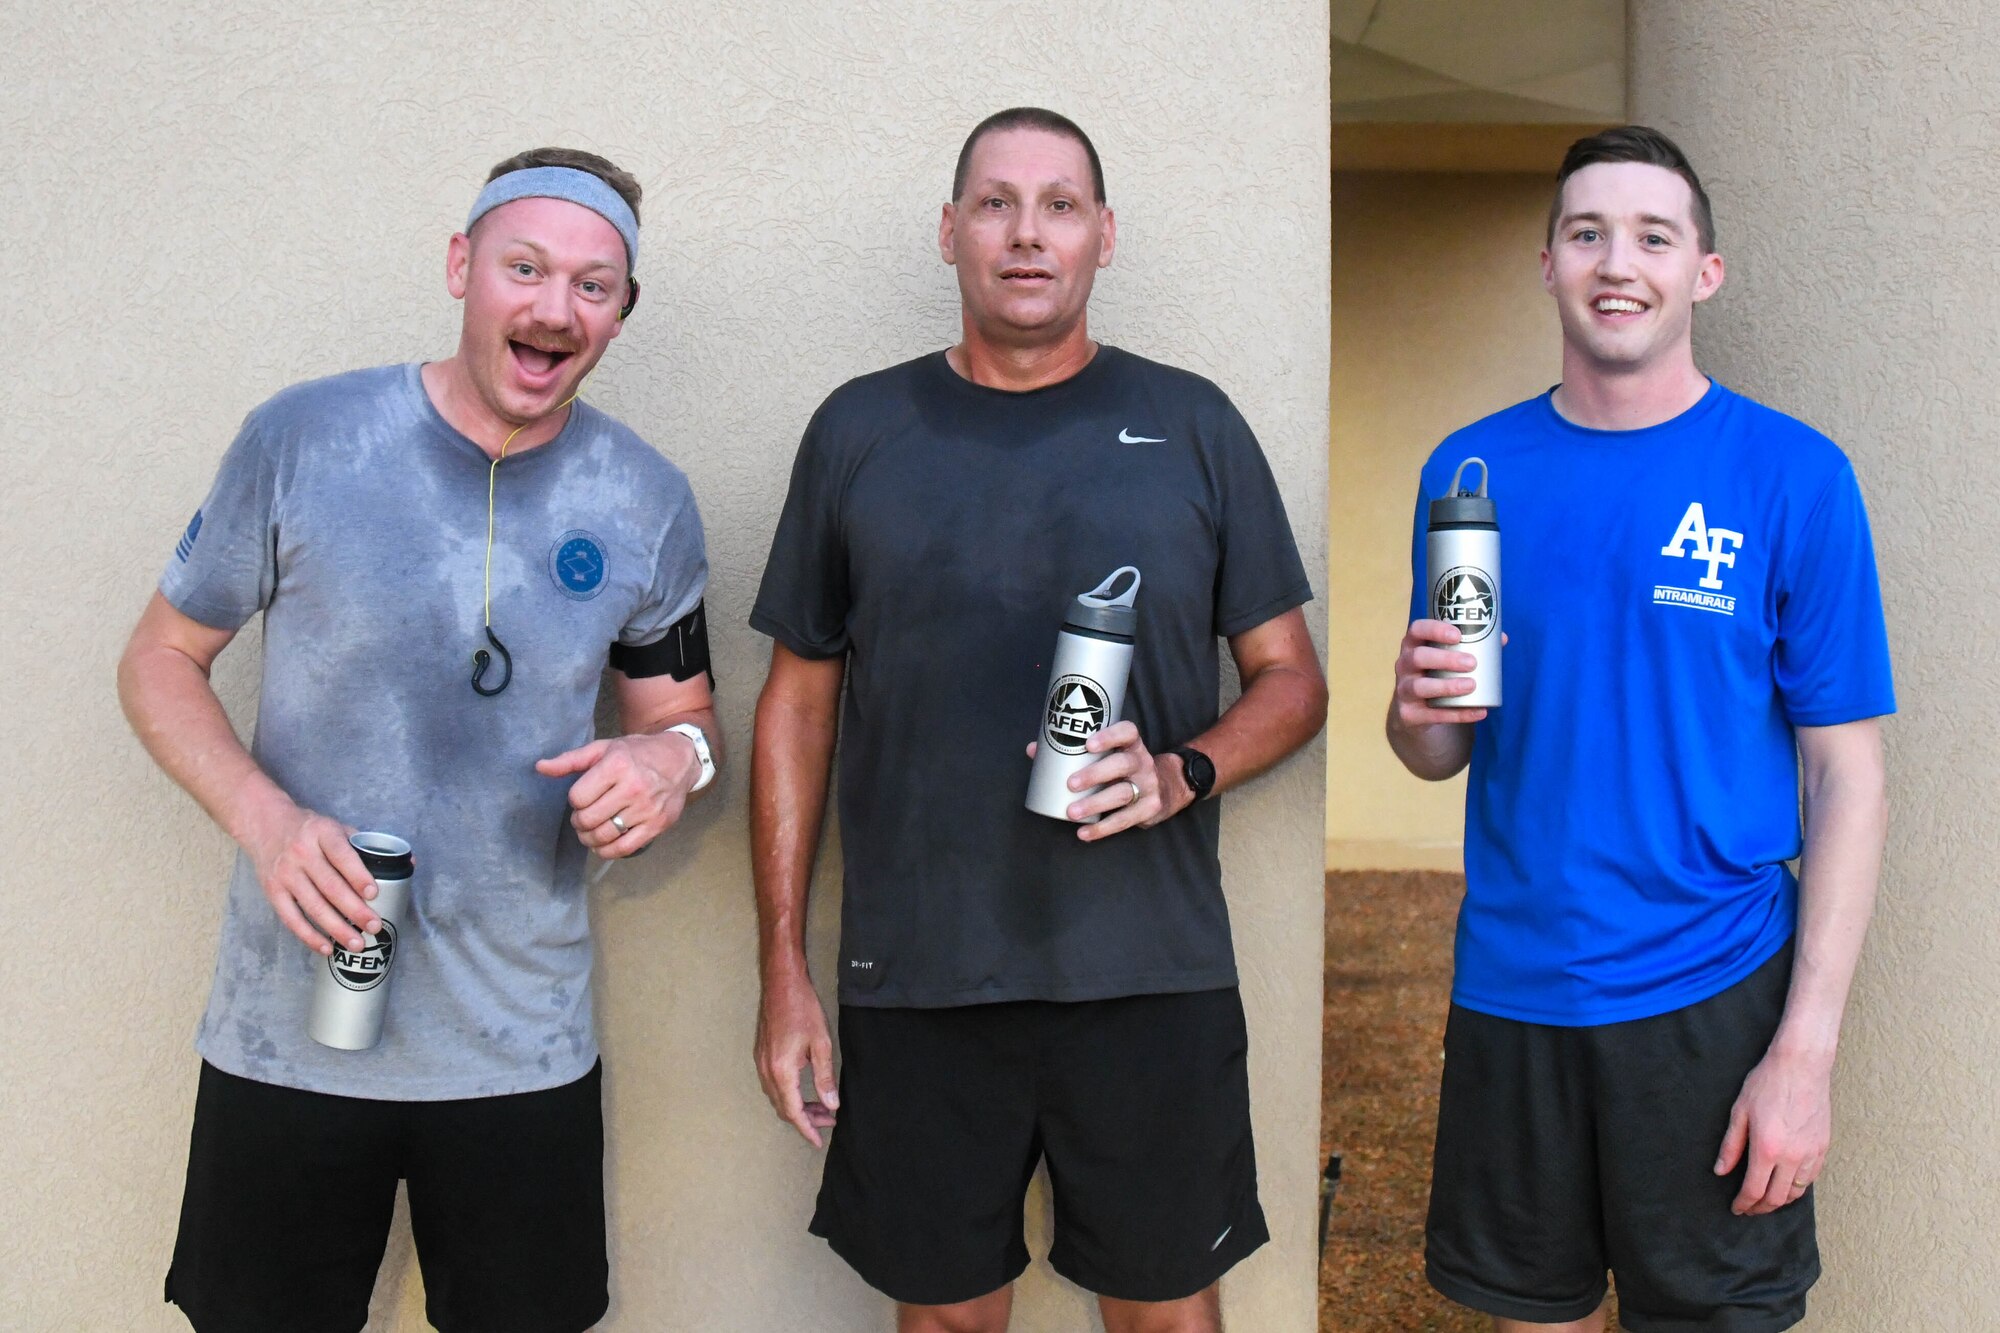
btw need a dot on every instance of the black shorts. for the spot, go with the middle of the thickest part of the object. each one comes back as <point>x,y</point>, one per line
<point>289,1196</point>
<point>1566,1151</point>
<point>1141,1105</point>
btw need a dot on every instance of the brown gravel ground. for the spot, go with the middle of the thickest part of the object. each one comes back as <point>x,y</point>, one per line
<point>1388,985</point>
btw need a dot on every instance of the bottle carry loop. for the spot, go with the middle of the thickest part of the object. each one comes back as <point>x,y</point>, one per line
<point>1456,489</point>
<point>1101,594</point>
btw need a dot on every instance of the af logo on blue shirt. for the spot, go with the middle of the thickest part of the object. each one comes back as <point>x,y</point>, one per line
<point>1680,599</point>
<point>576,563</point>
<point>1716,546</point>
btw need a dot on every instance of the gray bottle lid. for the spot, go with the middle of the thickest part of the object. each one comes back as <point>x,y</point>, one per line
<point>1460,506</point>
<point>1099,610</point>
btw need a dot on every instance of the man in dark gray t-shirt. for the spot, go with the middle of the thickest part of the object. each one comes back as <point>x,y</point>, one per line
<point>1014,987</point>
<point>446,557</point>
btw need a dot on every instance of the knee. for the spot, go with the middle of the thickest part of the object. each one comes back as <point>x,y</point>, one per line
<point>1593,1323</point>
<point>980,1316</point>
<point>1197,1314</point>
<point>1171,1321</point>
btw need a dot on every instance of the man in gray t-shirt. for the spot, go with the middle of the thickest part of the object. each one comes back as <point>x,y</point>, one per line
<point>446,556</point>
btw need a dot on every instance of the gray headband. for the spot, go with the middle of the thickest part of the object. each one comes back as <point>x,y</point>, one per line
<point>566,183</point>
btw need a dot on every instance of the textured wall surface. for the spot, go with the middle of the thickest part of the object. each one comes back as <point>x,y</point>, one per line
<point>1849,149</point>
<point>1439,318</point>
<point>212,200</point>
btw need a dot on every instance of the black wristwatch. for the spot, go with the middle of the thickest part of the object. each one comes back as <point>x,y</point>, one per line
<point>1198,769</point>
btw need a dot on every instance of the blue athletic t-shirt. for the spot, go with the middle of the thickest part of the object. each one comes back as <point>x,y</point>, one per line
<point>1677,600</point>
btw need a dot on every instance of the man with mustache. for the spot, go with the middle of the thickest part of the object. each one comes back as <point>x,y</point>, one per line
<point>1015,988</point>
<point>446,557</point>
<point>1647,1000</point>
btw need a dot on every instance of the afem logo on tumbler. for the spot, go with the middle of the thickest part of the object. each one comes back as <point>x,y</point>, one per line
<point>351,993</point>
<point>364,969</point>
<point>1462,550</point>
<point>1093,660</point>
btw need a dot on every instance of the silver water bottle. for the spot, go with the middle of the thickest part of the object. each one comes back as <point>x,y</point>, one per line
<point>352,992</point>
<point>1462,549</point>
<point>1093,660</point>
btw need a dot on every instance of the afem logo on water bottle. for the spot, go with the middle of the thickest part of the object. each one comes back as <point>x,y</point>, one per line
<point>1463,596</point>
<point>1075,713</point>
<point>364,968</point>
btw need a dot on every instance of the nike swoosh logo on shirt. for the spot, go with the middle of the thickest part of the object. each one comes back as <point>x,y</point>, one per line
<point>1127,437</point>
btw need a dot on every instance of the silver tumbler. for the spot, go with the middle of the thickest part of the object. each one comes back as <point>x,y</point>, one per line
<point>1462,549</point>
<point>1093,660</point>
<point>352,992</point>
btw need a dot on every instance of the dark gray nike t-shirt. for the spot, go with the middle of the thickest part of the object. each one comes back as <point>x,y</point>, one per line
<point>353,516</point>
<point>935,532</point>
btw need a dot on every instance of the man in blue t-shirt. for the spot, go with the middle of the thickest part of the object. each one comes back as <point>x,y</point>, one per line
<point>1647,999</point>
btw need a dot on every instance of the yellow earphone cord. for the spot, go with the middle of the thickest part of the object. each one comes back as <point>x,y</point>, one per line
<point>492,474</point>
<point>482,659</point>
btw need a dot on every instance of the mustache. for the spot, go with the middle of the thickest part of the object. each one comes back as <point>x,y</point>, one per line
<point>555,341</point>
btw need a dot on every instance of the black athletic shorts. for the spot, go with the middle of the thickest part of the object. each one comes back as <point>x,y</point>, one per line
<point>1140,1104</point>
<point>1566,1151</point>
<point>289,1196</point>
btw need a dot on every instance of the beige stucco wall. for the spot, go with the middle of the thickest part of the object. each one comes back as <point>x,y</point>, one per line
<point>1849,150</point>
<point>1439,318</point>
<point>208,201</point>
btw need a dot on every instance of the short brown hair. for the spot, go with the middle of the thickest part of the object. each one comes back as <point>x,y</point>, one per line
<point>624,182</point>
<point>1635,143</point>
<point>1028,118</point>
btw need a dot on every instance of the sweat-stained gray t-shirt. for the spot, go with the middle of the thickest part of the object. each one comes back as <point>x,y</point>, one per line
<point>354,517</point>
<point>935,533</point>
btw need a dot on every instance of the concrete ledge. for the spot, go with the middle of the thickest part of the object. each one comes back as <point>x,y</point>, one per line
<point>1387,854</point>
<point>1399,146</point>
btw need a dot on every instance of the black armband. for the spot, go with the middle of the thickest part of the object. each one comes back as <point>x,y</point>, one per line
<point>682,652</point>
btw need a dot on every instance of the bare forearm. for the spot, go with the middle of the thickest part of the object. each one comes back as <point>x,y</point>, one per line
<point>670,751</point>
<point>175,714</point>
<point>1846,824</point>
<point>790,765</point>
<point>1279,710</point>
<point>1432,737</point>
<point>1433,751</point>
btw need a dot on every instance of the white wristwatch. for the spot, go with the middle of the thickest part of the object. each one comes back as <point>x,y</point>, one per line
<point>694,734</point>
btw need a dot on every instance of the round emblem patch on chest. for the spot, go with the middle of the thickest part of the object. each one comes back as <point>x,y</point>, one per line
<point>576,563</point>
